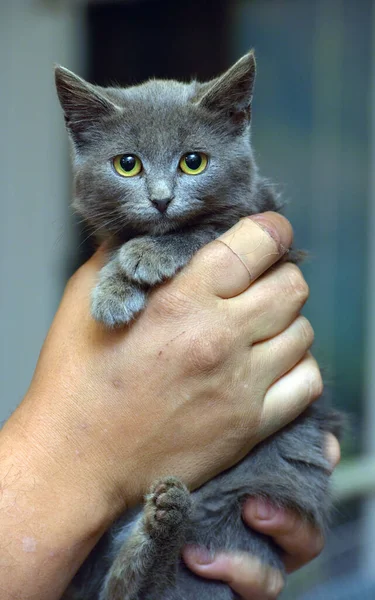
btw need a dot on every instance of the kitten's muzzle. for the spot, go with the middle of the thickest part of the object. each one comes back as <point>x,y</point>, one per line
<point>161,204</point>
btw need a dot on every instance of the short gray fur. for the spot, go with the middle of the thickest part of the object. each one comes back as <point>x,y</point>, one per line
<point>160,121</point>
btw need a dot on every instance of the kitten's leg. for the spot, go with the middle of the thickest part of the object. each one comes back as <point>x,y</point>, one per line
<point>147,561</point>
<point>141,263</point>
<point>150,260</point>
<point>115,299</point>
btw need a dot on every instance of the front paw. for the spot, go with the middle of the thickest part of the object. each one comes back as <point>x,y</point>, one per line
<point>148,262</point>
<point>116,301</point>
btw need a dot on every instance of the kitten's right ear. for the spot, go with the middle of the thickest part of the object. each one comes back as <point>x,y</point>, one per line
<point>83,104</point>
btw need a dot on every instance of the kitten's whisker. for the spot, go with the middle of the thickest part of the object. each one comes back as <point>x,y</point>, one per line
<point>118,218</point>
<point>94,216</point>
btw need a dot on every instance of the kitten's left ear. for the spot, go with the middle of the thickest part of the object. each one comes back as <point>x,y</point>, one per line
<point>232,93</point>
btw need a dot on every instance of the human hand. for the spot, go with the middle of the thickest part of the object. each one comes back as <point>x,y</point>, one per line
<point>109,412</point>
<point>299,541</point>
<point>137,403</point>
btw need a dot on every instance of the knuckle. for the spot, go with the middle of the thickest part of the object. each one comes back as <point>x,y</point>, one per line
<point>332,450</point>
<point>293,524</point>
<point>253,574</point>
<point>317,546</point>
<point>307,331</point>
<point>275,585</point>
<point>297,284</point>
<point>315,384</point>
<point>271,582</point>
<point>208,348</point>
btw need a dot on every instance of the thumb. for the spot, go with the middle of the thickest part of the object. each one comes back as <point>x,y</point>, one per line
<point>227,266</point>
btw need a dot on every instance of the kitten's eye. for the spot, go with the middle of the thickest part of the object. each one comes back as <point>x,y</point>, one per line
<point>194,163</point>
<point>127,165</point>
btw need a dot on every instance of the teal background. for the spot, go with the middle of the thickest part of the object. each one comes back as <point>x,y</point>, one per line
<point>311,133</point>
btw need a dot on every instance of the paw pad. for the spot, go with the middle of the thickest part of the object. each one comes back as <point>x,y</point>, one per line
<point>167,507</point>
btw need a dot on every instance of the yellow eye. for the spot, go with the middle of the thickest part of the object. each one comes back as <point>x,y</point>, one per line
<point>127,165</point>
<point>193,163</point>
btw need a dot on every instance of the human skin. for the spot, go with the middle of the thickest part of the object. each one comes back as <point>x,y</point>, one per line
<point>108,412</point>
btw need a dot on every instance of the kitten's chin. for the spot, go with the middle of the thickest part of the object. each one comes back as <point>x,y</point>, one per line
<point>162,223</point>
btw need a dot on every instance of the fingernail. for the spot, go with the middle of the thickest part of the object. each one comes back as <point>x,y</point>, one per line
<point>264,510</point>
<point>271,225</point>
<point>199,555</point>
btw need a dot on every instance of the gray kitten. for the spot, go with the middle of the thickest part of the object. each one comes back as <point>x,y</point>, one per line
<point>160,170</point>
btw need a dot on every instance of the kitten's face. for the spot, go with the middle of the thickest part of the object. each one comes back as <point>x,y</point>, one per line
<point>131,170</point>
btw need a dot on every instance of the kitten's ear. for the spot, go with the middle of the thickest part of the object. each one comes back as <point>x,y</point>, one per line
<point>83,104</point>
<point>232,93</point>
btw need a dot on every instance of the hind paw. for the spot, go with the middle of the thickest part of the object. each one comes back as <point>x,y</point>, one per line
<point>167,507</point>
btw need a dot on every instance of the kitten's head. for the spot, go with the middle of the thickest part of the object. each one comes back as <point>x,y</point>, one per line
<point>154,157</point>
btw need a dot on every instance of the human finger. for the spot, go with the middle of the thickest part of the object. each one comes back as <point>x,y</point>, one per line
<point>281,353</point>
<point>245,574</point>
<point>290,395</point>
<point>228,265</point>
<point>299,540</point>
<point>271,304</point>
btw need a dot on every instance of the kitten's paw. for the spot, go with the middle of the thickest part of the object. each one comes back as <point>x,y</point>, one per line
<point>167,508</point>
<point>116,303</point>
<point>148,262</point>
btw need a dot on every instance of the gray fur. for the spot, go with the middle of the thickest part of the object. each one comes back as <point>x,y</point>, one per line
<point>160,121</point>
<point>155,541</point>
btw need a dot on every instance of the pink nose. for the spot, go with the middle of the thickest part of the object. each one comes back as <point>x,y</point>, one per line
<point>162,204</point>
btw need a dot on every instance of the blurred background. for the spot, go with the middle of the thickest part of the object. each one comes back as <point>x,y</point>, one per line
<point>314,135</point>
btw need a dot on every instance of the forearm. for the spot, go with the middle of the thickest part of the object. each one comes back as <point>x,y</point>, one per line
<point>49,521</point>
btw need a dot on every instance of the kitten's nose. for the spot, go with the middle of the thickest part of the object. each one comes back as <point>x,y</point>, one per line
<point>162,204</point>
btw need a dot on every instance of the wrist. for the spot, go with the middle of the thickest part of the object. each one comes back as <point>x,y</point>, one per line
<point>61,450</point>
<point>49,508</point>
<point>51,512</point>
